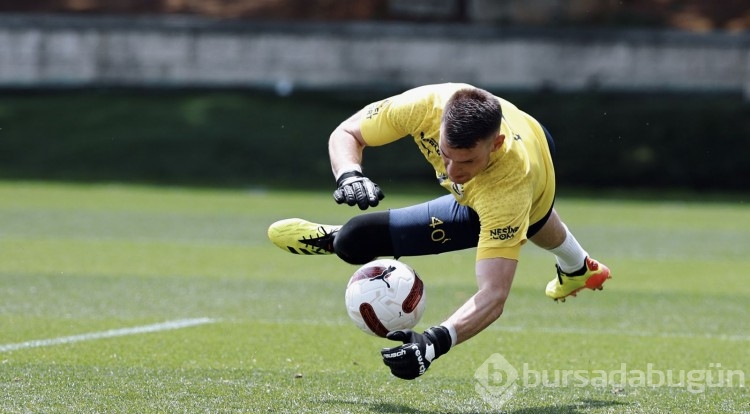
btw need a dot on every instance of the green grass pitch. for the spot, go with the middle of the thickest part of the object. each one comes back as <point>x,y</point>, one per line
<point>96,280</point>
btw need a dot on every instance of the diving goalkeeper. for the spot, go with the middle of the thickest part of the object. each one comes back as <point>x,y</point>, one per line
<point>496,163</point>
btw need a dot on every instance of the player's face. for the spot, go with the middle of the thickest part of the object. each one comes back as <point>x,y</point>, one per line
<point>463,164</point>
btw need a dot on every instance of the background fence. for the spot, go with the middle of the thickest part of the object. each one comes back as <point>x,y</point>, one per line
<point>190,99</point>
<point>44,51</point>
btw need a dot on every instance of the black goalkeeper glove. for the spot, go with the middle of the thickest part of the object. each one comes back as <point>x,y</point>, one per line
<point>412,359</point>
<point>355,188</point>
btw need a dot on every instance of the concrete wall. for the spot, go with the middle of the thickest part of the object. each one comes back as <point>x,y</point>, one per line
<point>54,51</point>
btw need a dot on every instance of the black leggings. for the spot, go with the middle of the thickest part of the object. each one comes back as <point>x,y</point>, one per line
<point>364,238</point>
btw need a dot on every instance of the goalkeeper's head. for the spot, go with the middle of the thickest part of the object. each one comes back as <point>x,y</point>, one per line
<point>469,133</point>
<point>470,115</point>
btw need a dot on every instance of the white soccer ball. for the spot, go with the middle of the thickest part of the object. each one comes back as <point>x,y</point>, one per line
<point>385,295</point>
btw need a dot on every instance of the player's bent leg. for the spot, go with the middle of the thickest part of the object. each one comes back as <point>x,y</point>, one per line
<point>364,238</point>
<point>592,276</point>
<point>300,236</point>
<point>434,227</point>
<point>437,226</point>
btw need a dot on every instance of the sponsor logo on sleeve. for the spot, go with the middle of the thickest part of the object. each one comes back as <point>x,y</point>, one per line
<point>505,233</point>
<point>374,109</point>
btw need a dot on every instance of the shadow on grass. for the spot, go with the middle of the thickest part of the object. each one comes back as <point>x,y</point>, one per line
<point>575,408</point>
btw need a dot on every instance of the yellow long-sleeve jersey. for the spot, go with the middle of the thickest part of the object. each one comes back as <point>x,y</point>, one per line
<point>515,190</point>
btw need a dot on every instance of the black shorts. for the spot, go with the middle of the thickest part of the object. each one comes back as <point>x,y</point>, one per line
<point>438,226</point>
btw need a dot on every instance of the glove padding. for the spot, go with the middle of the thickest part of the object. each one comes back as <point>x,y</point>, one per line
<point>412,359</point>
<point>355,188</point>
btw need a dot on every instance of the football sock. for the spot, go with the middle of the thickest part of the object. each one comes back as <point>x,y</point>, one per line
<point>570,255</point>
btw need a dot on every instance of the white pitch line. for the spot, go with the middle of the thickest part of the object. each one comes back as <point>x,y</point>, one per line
<point>157,327</point>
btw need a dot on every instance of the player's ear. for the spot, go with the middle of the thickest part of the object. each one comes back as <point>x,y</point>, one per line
<point>497,142</point>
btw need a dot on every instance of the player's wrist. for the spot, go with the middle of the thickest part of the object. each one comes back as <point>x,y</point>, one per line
<point>349,169</point>
<point>440,338</point>
<point>349,177</point>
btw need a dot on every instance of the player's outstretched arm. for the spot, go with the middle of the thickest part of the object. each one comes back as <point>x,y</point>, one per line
<point>411,360</point>
<point>494,279</point>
